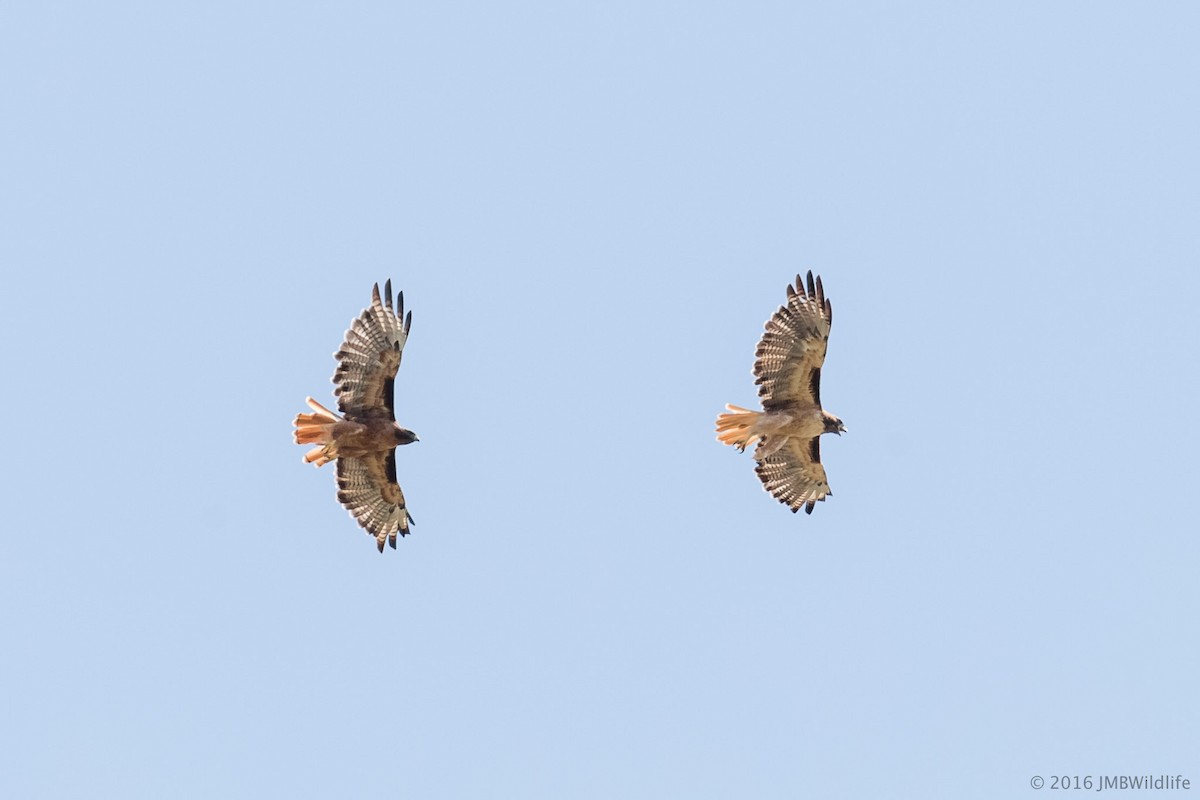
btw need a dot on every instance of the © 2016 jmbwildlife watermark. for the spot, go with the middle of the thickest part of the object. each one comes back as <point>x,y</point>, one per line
<point>1118,783</point>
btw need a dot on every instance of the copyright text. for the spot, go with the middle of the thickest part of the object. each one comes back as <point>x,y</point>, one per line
<point>1117,783</point>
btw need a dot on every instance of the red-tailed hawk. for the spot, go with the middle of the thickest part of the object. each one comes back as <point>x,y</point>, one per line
<point>787,369</point>
<point>363,438</point>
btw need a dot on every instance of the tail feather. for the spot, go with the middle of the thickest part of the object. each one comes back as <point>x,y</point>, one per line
<point>321,455</point>
<point>316,429</point>
<point>738,429</point>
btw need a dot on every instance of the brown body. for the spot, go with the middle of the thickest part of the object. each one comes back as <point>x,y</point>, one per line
<point>744,427</point>
<point>787,370</point>
<point>362,439</point>
<point>346,438</point>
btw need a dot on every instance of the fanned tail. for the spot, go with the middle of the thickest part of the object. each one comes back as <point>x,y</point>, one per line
<point>317,428</point>
<point>738,429</point>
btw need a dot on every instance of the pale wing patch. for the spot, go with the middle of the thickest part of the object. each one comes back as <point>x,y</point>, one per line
<point>792,349</point>
<point>793,474</point>
<point>372,497</point>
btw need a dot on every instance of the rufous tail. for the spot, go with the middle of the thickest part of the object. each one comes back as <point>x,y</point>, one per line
<point>738,429</point>
<point>317,428</point>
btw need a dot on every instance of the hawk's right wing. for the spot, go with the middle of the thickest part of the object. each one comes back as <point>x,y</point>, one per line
<point>793,474</point>
<point>367,487</point>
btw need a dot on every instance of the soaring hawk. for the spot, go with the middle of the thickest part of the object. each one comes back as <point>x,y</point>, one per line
<point>787,369</point>
<point>363,438</point>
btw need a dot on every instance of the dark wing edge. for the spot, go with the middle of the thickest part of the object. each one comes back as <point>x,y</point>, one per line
<point>368,489</point>
<point>389,385</point>
<point>788,359</point>
<point>370,357</point>
<point>794,476</point>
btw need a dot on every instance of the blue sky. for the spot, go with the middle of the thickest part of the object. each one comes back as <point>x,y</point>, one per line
<point>592,209</point>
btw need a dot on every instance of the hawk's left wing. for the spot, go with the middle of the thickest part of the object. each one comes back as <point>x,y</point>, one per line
<point>787,365</point>
<point>367,487</point>
<point>370,355</point>
<point>794,475</point>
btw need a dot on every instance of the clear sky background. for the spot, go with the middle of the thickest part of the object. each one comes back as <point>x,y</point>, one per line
<point>592,208</point>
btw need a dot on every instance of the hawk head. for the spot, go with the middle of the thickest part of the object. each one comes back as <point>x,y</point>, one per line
<point>833,424</point>
<point>404,435</point>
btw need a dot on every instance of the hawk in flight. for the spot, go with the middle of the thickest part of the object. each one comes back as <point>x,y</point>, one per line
<point>787,369</point>
<point>363,437</point>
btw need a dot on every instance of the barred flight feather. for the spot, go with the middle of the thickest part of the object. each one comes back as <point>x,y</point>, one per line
<point>359,490</point>
<point>370,354</point>
<point>793,477</point>
<point>793,347</point>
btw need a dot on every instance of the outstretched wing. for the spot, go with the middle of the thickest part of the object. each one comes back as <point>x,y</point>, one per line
<point>367,487</point>
<point>787,366</point>
<point>369,357</point>
<point>793,474</point>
